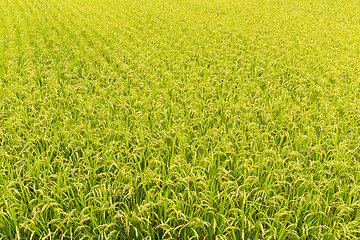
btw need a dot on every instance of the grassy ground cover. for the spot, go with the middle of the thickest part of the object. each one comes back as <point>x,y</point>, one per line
<point>179,119</point>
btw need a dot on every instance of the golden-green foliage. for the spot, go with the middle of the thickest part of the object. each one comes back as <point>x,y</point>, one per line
<point>179,119</point>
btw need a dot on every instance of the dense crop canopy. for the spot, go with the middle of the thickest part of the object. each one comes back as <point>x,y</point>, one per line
<point>179,119</point>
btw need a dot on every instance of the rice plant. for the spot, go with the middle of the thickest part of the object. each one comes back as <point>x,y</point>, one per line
<point>179,119</point>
